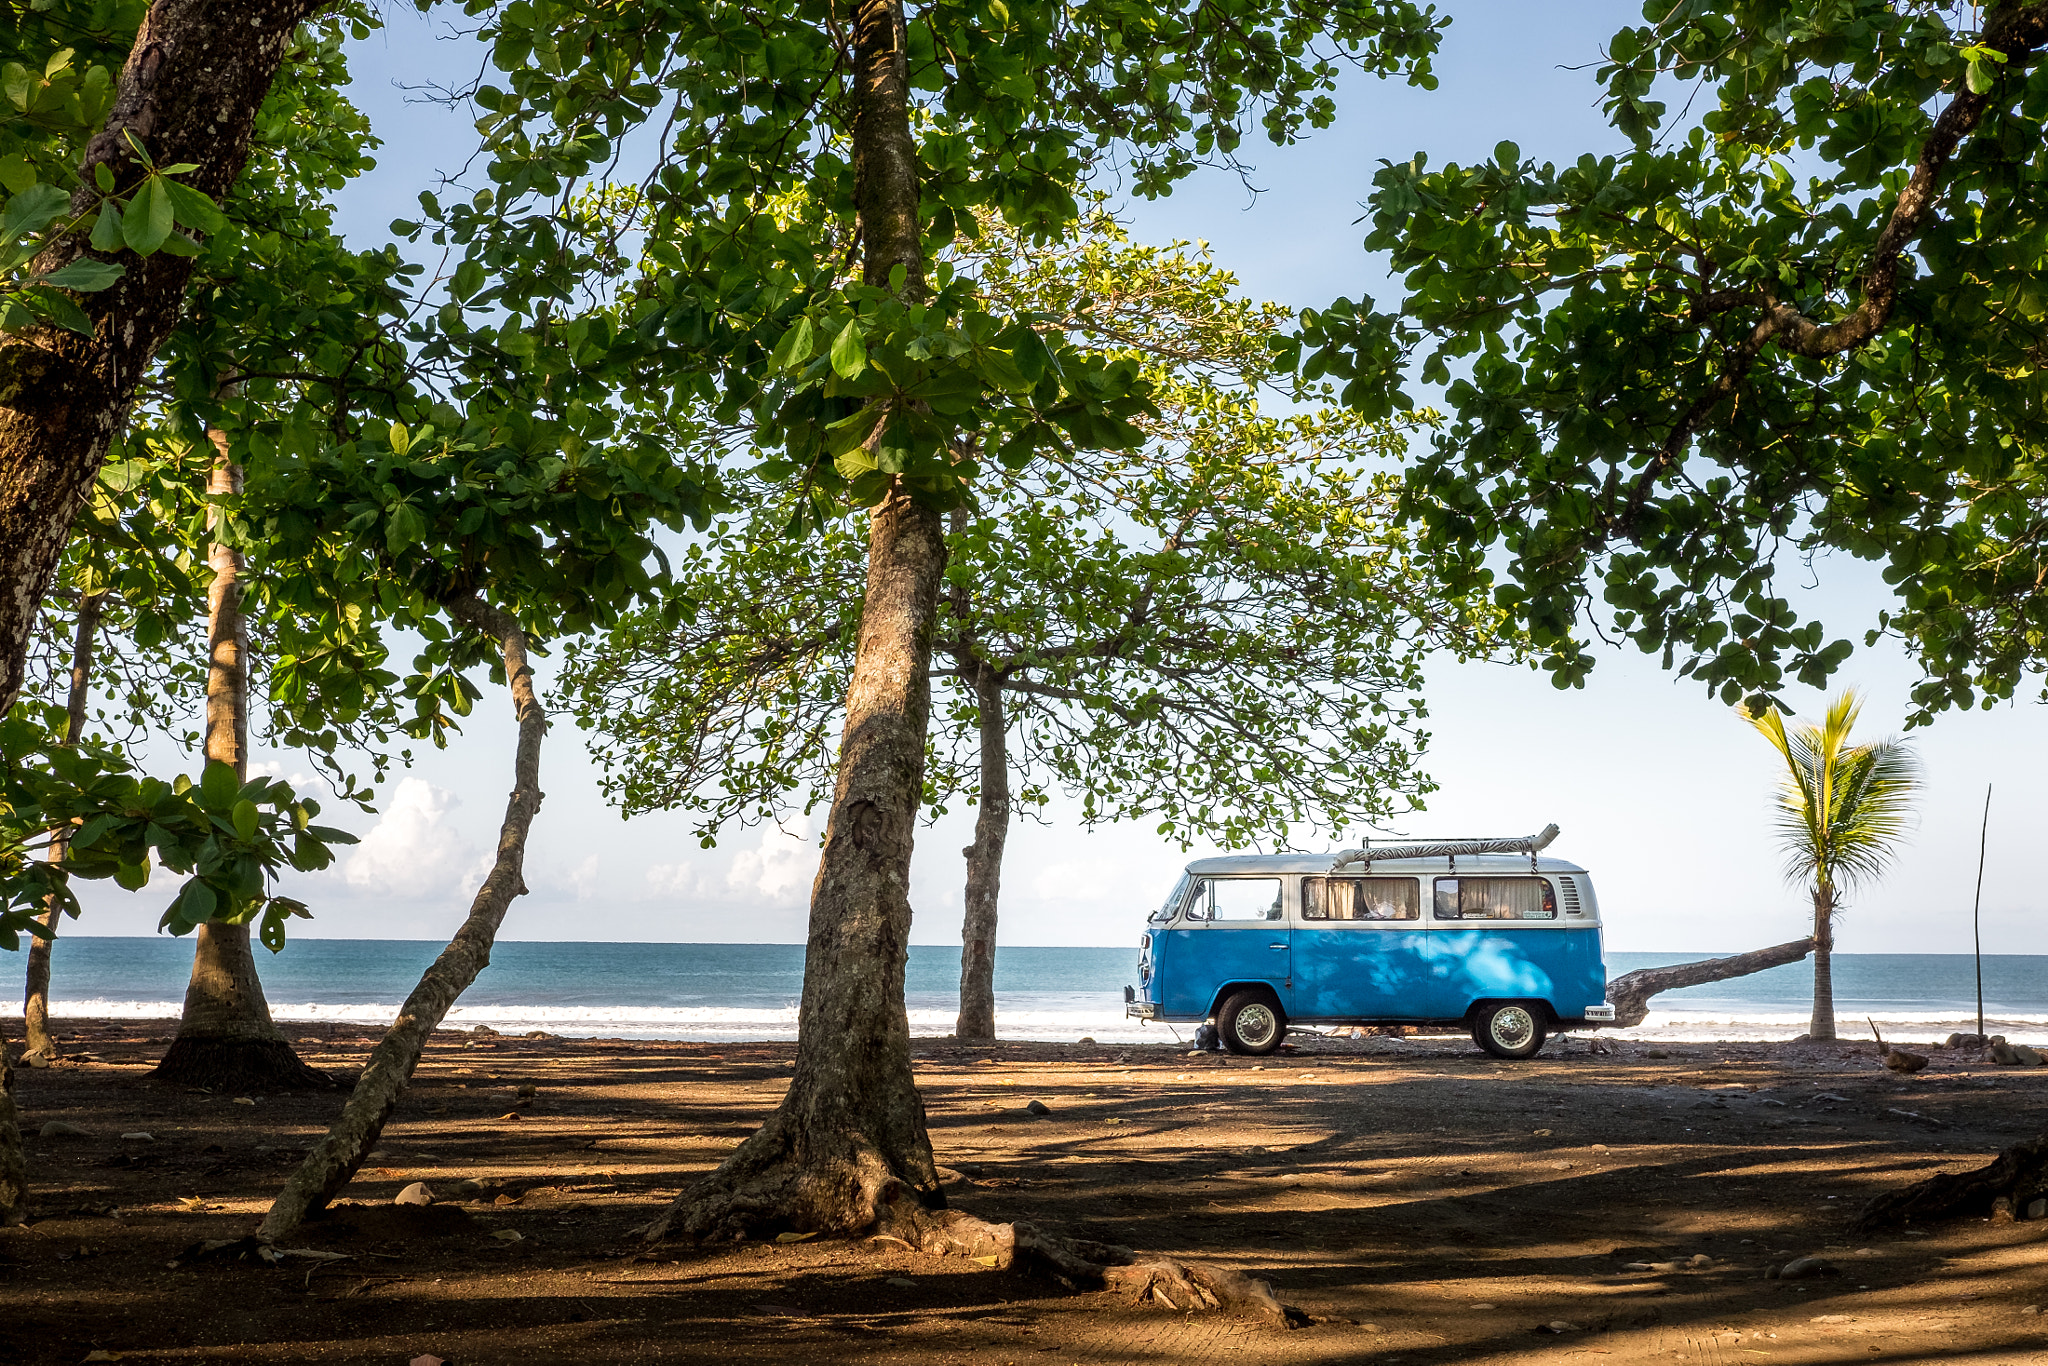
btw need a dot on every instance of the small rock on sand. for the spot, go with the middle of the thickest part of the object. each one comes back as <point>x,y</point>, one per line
<point>57,1128</point>
<point>418,1193</point>
<point>1038,1107</point>
<point>1562,1326</point>
<point>1806,1268</point>
<point>2038,1209</point>
<point>902,1282</point>
<point>141,1137</point>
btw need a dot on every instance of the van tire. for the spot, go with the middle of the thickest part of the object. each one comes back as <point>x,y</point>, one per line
<point>1251,1023</point>
<point>1510,1029</point>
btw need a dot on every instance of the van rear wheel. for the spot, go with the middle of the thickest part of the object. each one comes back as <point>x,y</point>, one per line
<point>1251,1023</point>
<point>1509,1029</point>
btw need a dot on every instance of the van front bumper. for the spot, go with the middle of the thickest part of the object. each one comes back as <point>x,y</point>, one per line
<point>1137,1009</point>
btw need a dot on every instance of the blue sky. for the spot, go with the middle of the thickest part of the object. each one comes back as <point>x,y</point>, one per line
<point>1661,791</point>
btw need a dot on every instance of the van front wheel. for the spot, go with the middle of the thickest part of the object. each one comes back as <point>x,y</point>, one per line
<point>1251,1023</point>
<point>1509,1030</point>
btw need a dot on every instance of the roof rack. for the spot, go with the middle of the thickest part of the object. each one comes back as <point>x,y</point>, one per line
<point>1526,844</point>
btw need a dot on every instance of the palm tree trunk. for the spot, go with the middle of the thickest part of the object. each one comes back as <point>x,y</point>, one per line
<point>35,996</point>
<point>1822,1027</point>
<point>226,1038</point>
<point>977,1022</point>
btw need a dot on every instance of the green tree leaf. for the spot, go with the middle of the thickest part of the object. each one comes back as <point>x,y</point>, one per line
<point>148,218</point>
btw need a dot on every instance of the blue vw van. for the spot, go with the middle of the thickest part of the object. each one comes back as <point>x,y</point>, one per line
<point>1475,934</point>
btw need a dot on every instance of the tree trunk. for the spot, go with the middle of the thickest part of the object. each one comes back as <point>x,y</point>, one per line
<point>849,1138</point>
<point>13,1163</point>
<point>1630,993</point>
<point>333,1162</point>
<point>977,1021</point>
<point>1822,1027</point>
<point>35,997</point>
<point>850,1133</point>
<point>189,92</point>
<point>226,1039</point>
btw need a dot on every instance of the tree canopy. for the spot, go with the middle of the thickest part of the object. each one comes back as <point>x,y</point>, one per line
<point>1219,630</point>
<point>1801,316</point>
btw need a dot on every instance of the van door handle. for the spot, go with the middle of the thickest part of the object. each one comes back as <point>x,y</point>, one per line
<point>1276,946</point>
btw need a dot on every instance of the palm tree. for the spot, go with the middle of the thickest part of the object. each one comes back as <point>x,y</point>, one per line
<point>1842,812</point>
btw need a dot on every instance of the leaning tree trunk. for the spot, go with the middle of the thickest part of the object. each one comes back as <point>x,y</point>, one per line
<point>1822,1027</point>
<point>188,93</point>
<point>1630,993</point>
<point>35,996</point>
<point>226,1038</point>
<point>849,1137</point>
<point>334,1160</point>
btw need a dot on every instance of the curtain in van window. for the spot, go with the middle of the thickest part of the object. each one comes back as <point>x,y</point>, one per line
<point>1494,898</point>
<point>1360,898</point>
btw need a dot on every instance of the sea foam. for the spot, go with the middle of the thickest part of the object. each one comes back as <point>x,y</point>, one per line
<point>1072,1019</point>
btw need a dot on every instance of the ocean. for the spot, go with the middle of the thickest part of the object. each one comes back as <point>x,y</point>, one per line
<point>749,991</point>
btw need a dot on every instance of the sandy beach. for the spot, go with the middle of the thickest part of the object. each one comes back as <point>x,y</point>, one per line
<point>1425,1203</point>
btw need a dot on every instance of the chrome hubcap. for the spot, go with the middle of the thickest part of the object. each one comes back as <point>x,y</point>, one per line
<point>1255,1024</point>
<point>1513,1027</point>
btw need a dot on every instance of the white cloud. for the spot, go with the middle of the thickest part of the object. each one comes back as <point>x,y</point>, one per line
<point>780,870</point>
<point>668,880</point>
<point>415,851</point>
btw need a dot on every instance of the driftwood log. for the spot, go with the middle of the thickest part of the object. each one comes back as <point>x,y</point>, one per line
<point>2019,1175</point>
<point>1630,993</point>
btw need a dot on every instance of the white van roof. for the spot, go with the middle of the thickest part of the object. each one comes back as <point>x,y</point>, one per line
<point>1248,865</point>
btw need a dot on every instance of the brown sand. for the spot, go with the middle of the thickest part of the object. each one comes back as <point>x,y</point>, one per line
<point>1431,1204</point>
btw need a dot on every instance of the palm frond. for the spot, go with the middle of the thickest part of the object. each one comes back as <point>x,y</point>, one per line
<point>1842,809</point>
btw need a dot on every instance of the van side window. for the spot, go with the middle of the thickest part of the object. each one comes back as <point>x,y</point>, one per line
<point>1236,898</point>
<point>1361,898</point>
<point>1495,898</point>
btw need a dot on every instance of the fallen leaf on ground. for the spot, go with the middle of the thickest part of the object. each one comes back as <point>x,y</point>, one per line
<point>794,1237</point>
<point>99,1355</point>
<point>509,1235</point>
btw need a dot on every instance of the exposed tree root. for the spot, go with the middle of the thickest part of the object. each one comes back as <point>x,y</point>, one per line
<point>1630,993</point>
<point>238,1065</point>
<point>761,1189</point>
<point>2019,1175</point>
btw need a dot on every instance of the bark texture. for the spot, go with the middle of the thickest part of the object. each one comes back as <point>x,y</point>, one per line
<point>1630,993</point>
<point>334,1160</point>
<point>849,1137</point>
<point>2019,1175</point>
<point>13,1162</point>
<point>226,1038</point>
<point>977,1020</point>
<point>35,995</point>
<point>1821,1028</point>
<point>189,92</point>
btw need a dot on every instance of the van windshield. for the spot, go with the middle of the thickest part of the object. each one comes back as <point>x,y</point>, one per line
<point>1173,900</point>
